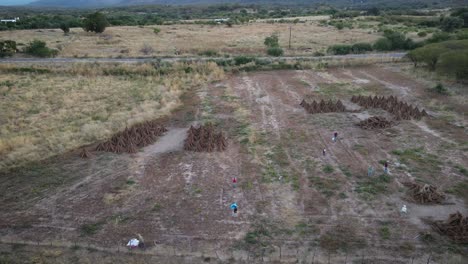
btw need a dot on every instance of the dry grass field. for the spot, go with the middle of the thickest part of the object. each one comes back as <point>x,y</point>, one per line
<point>64,107</point>
<point>295,204</point>
<point>190,39</point>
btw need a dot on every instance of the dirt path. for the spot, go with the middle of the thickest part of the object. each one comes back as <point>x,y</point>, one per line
<point>189,59</point>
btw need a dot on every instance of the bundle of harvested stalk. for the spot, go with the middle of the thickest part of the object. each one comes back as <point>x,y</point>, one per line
<point>137,136</point>
<point>84,154</point>
<point>205,139</point>
<point>455,227</point>
<point>391,104</point>
<point>424,194</point>
<point>375,122</point>
<point>323,106</point>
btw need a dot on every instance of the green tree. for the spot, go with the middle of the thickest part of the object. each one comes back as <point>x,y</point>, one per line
<point>431,55</point>
<point>415,56</point>
<point>272,41</point>
<point>456,63</point>
<point>96,22</point>
<point>397,39</point>
<point>374,11</point>
<point>449,24</point>
<point>461,13</point>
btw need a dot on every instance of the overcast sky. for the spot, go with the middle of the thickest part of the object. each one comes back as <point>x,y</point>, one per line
<point>15,2</point>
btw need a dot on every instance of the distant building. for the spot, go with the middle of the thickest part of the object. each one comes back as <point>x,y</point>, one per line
<point>221,20</point>
<point>14,20</point>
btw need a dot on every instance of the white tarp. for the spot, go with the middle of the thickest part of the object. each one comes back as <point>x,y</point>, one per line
<point>133,243</point>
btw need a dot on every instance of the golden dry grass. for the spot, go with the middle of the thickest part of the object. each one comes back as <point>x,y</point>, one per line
<point>46,114</point>
<point>190,39</point>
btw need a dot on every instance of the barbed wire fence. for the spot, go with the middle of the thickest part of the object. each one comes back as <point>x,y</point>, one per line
<point>295,252</point>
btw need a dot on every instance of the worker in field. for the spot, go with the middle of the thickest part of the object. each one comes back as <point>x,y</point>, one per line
<point>234,182</point>
<point>324,152</point>
<point>335,137</point>
<point>386,167</point>
<point>234,209</point>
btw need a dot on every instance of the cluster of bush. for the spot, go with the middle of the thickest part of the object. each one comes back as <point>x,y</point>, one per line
<point>391,41</point>
<point>7,48</point>
<point>36,48</point>
<point>448,57</point>
<point>350,49</point>
<point>273,47</point>
<point>341,24</point>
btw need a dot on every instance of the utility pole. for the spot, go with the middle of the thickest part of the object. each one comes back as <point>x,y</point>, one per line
<point>290,28</point>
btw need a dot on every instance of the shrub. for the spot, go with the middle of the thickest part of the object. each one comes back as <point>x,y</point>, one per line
<point>208,53</point>
<point>96,22</point>
<point>361,48</point>
<point>383,44</point>
<point>339,49</point>
<point>422,34</point>
<point>339,25</point>
<point>156,30</point>
<point>146,49</point>
<point>39,49</point>
<point>440,89</point>
<point>462,35</point>
<point>65,28</point>
<point>271,41</point>
<point>242,60</point>
<point>318,54</point>
<point>438,37</point>
<point>275,51</point>
<point>7,48</point>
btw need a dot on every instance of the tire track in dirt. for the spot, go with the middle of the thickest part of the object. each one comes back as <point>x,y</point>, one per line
<point>264,101</point>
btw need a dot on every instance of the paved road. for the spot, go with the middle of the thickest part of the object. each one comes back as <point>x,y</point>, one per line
<point>182,59</point>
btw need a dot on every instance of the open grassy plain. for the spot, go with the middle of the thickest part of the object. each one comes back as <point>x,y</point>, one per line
<point>51,110</point>
<point>192,39</point>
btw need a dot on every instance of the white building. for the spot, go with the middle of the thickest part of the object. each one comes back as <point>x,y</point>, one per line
<point>221,20</point>
<point>14,20</point>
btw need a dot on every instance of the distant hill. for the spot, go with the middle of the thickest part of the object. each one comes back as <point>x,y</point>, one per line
<point>339,3</point>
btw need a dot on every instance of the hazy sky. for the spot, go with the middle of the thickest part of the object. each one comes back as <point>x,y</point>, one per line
<point>15,2</point>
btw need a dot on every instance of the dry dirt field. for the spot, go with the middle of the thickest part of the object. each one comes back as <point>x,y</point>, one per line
<point>295,205</point>
<point>190,39</point>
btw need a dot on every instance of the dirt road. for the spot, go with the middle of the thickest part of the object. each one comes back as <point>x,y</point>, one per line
<point>188,59</point>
